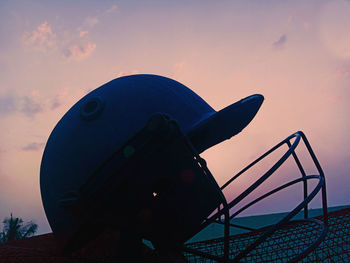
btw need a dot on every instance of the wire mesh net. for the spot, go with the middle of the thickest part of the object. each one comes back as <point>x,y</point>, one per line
<point>287,242</point>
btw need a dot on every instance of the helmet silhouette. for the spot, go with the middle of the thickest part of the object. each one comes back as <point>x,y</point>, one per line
<point>128,151</point>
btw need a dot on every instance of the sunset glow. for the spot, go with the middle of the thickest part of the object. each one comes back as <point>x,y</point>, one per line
<point>295,53</point>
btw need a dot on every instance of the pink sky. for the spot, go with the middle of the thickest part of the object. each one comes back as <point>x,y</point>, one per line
<point>295,53</point>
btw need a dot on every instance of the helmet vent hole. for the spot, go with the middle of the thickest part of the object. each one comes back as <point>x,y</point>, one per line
<point>92,108</point>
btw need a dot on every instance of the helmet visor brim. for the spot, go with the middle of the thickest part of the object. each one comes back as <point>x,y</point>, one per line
<point>225,123</point>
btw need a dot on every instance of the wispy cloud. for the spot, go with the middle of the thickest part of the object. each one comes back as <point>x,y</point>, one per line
<point>59,99</point>
<point>64,98</point>
<point>83,33</point>
<point>179,66</point>
<point>42,38</point>
<point>72,45</point>
<point>75,45</point>
<point>280,43</point>
<point>30,107</point>
<point>33,103</point>
<point>55,103</point>
<point>180,69</point>
<point>91,21</point>
<point>34,146</point>
<point>111,9</point>
<point>342,72</point>
<point>7,104</point>
<point>79,51</point>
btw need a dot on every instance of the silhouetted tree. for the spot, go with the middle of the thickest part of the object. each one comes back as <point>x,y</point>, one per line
<point>14,229</point>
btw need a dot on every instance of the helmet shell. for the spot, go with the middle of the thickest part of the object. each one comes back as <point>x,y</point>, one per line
<point>98,124</point>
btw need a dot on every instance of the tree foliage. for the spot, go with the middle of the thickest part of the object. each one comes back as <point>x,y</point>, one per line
<point>14,228</point>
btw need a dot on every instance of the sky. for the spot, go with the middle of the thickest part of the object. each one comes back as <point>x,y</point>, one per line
<point>295,53</point>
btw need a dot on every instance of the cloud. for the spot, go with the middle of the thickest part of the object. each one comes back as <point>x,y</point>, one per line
<point>91,21</point>
<point>79,51</point>
<point>334,26</point>
<point>342,72</point>
<point>280,43</point>
<point>73,45</point>
<point>34,146</point>
<point>59,99</point>
<point>7,104</point>
<point>111,9</point>
<point>42,38</point>
<point>179,66</point>
<point>180,70</point>
<point>83,33</point>
<point>64,98</point>
<point>30,104</point>
<point>30,107</point>
<point>55,103</point>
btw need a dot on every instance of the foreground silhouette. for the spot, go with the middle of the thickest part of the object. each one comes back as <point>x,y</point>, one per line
<point>14,229</point>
